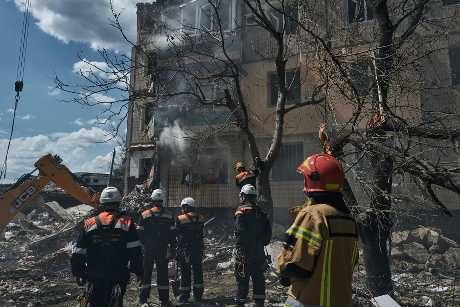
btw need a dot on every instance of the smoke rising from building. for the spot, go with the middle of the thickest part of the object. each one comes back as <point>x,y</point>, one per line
<point>174,137</point>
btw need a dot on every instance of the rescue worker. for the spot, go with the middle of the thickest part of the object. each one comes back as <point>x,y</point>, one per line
<point>252,233</point>
<point>245,176</point>
<point>321,246</point>
<point>190,247</point>
<point>157,236</point>
<point>107,251</point>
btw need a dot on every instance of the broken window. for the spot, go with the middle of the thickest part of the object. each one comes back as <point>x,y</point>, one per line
<point>148,114</point>
<point>290,156</point>
<point>202,15</point>
<point>360,76</point>
<point>293,84</point>
<point>209,168</point>
<point>145,165</point>
<point>291,18</point>
<point>149,64</point>
<point>188,17</point>
<point>450,2</point>
<point>454,58</point>
<point>359,10</point>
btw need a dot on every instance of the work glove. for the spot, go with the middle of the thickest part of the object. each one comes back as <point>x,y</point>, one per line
<point>285,281</point>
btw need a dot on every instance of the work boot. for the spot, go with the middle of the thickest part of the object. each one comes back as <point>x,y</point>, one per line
<point>183,298</point>
<point>259,303</point>
<point>165,303</point>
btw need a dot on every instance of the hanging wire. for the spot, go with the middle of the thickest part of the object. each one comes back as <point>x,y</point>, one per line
<point>19,84</point>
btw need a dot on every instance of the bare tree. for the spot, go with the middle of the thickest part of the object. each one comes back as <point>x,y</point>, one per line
<point>384,128</point>
<point>383,124</point>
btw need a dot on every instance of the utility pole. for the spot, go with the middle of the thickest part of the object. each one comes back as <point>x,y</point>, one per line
<point>111,169</point>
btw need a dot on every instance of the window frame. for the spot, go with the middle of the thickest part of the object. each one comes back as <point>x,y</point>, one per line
<point>290,170</point>
<point>358,62</point>
<point>454,73</point>
<point>366,18</point>
<point>289,100</point>
<point>449,4</point>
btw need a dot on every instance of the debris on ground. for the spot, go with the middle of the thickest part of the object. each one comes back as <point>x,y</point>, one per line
<point>35,271</point>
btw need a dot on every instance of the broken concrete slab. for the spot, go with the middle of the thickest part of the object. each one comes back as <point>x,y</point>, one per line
<point>415,252</point>
<point>56,211</point>
<point>80,211</point>
<point>452,258</point>
<point>384,301</point>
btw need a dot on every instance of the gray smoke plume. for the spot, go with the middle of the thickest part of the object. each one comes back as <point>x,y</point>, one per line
<point>174,137</point>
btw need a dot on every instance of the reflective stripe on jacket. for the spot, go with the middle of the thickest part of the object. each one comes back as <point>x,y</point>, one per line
<point>322,242</point>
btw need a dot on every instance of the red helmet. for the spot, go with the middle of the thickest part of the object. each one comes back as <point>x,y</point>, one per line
<point>322,173</point>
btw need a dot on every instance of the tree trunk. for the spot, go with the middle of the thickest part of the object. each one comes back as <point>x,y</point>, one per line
<point>375,227</point>
<point>265,200</point>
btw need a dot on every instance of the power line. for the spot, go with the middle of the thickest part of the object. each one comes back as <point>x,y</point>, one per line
<point>19,84</point>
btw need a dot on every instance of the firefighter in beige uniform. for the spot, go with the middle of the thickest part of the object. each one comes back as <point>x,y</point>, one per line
<point>320,249</point>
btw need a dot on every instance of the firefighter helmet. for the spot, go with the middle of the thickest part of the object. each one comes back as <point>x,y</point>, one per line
<point>110,195</point>
<point>239,165</point>
<point>188,201</point>
<point>157,195</point>
<point>322,173</point>
<point>248,189</point>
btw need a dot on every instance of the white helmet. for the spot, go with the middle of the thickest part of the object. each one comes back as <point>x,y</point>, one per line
<point>110,195</point>
<point>157,195</point>
<point>248,189</point>
<point>188,201</point>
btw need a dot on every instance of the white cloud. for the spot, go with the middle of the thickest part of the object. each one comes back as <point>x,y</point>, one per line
<point>27,117</point>
<point>79,122</point>
<point>85,21</point>
<point>86,67</point>
<point>76,148</point>
<point>102,98</point>
<point>54,91</point>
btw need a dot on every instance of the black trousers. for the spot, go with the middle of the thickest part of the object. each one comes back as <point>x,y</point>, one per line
<point>103,292</point>
<point>255,272</point>
<point>158,259</point>
<point>190,260</point>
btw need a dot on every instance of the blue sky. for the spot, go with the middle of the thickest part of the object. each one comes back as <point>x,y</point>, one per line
<point>59,31</point>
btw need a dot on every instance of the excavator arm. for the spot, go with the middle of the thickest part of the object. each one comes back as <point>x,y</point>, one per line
<point>29,187</point>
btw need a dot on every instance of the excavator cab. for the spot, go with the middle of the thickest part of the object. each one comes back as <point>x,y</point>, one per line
<point>28,187</point>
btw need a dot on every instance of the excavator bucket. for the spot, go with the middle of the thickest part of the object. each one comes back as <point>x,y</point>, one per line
<point>51,167</point>
<point>28,187</point>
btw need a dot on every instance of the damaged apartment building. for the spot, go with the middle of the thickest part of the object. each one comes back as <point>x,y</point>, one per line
<point>175,142</point>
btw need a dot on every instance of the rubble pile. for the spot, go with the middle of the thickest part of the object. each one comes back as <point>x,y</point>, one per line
<point>35,270</point>
<point>426,268</point>
<point>34,256</point>
<point>131,203</point>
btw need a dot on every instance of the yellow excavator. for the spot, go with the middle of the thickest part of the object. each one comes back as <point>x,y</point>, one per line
<point>28,187</point>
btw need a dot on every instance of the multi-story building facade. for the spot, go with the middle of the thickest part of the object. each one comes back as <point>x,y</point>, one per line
<point>202,164</point>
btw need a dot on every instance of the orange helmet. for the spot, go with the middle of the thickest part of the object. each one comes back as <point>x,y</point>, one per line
<point>322,173</point>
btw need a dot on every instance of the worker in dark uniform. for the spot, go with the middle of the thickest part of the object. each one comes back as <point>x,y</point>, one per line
<point>156,230</point>
<point>252,233</point>
<point>107,251</point>
<point>190,247</point>
<point>247,176</point>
